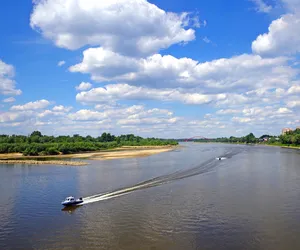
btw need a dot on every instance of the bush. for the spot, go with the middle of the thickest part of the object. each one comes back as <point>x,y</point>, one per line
<point>52,151</point>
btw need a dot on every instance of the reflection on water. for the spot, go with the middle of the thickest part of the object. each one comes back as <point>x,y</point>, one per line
<point>176,200</point>
<point>71,209</point>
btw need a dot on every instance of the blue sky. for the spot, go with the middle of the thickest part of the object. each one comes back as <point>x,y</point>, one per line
<point>154,68</point>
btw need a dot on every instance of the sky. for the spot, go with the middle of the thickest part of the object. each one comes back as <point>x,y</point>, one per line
<point>168,69</point>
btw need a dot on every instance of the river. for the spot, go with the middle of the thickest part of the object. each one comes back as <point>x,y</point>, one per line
<point>183,199</point>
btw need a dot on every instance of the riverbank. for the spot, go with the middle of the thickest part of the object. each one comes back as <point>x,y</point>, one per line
<point>117,153</point>
<point>282,146</point>
<point>36,162</point>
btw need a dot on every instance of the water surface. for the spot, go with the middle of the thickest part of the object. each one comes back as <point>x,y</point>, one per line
<point>184,199</point>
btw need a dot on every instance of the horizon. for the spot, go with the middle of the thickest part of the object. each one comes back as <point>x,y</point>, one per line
<point>118,135</point>
<point>160,69</point>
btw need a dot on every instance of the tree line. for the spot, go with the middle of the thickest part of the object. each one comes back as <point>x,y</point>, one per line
<point>37,144</point>
<point>291,138</point>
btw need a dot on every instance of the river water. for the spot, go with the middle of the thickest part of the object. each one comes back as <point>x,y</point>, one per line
<point>184,199</point>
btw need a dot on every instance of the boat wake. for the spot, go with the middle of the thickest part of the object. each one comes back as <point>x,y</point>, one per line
<point>221,158</point>
<point>157,181</point>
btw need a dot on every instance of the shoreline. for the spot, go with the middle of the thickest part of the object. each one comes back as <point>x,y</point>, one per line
<point>281,146</point>
<point>35,162</point>
<point>255,144</point>
<point>116,153</point>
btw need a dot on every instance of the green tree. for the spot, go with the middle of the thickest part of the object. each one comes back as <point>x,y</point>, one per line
<point>36,133</point>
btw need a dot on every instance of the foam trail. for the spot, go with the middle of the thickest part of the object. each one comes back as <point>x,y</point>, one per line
<point>157,181</point>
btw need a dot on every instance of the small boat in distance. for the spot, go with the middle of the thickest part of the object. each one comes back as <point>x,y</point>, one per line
<point>70,201</point>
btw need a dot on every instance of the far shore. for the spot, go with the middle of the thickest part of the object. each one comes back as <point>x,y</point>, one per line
<point>117,153</point>
<point>256,144</point>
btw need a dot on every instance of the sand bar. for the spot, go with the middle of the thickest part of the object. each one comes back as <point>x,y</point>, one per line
<point>34,162</point>
<point>117,153</point>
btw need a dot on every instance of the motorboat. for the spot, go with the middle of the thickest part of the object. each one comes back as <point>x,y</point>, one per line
<point>70,201</point>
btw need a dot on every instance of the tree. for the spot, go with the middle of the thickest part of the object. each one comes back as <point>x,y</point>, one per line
<point>36,133</point>
<point>250,138</point>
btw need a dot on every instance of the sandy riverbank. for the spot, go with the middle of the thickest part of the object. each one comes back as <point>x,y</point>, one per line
<point>35,162</point>
<point>117,153</point>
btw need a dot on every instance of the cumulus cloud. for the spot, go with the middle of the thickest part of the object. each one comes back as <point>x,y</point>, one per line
<point>7,83</point>
<point>60,63</point>
<point>84,86</point>
<point>8,117</point>
<point>129,27</point>
<point>50,113</point>
<point>61,108</point>
<point>282,39</point>
<point>135,112</point>
<point>240,72</point>
<point>293,104</point>
<point>10,99</point>
<point>294,89</point>
<point>115,92</point>
<point>41,104</point>
<point>283,36</point>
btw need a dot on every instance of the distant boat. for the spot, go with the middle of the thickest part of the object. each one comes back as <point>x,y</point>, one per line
<point>70,201</point>
<point>221,158</point>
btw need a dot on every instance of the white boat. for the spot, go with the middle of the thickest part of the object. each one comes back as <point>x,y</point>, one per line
<point>70,201</point>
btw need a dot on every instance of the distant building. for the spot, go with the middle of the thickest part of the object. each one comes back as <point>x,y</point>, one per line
<point>285,130</point>
<point>298,127</point>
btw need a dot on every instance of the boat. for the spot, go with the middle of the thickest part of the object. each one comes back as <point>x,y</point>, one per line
<point>70,201</point>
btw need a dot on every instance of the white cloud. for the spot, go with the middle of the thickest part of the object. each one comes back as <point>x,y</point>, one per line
<point>293,104</point>
<point>240,72</point>
<point>107,106</point>
<point>131,27</point>
<point>261,6</point>
<point>87,115</point>
<point>283,36</point>
<point>115,92</point>
<point>8,117</point>
<point>84,86</point>
<point>10,99</point>
<point>241,119</point>
<point>7,84</point>
<point>41,104</point>
<point>49,113</point>
<point>294,89</point>
<point>61,108</point>
<point>147,121</point>
<point>284,111</point>
<point>60,63</point>
<point>228,111</point>
<point>258,115</point>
